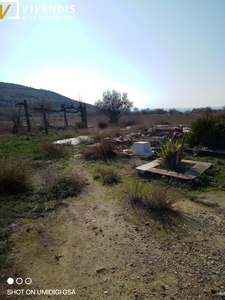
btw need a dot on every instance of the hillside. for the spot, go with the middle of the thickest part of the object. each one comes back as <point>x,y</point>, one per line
<point>11,93</point>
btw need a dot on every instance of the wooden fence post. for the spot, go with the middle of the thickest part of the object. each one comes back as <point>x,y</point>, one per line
<point>45,119</point>
<point>27,115</point>
<point>84,114</point>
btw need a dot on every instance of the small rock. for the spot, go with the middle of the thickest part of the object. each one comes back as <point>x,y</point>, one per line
<point>220,294</point>
<point>98,271</point>
<point>213,291</point>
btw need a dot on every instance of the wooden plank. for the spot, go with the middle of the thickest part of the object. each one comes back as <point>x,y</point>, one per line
<point>171,174</point>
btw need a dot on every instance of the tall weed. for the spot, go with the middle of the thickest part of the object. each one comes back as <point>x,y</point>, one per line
<point>14,178</point>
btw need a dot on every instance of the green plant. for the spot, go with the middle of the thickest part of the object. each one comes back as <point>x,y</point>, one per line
<point>68,186</point>
<point>39,208</point>
<point>49,150</point>
<point>168,154</point>
<point>137,191</point>
<point>207,132</point>
<point>153,203</point>
<point>14,178</point>
<point>158,200</point>
<point>5,247</point>
<point>80,125</point>
<point>113,105</point>
<point>109,176</point>
<point>102,124</point>
<point>155,199</point>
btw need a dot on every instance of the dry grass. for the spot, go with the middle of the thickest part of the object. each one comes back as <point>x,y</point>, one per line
<point>100,151</point>
<point>153,203</point>
<point>48,150</point>
<point>109,176</point>
<point>14,178</point>
<point>68,186</point>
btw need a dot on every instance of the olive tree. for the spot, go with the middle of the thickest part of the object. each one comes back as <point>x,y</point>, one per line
<point>113,105</point>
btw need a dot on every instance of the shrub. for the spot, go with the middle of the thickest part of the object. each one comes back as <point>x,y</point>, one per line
<point>102,124</point>
<point>80,125</point>
<point>168,153</point>
<point>14,178</point>
<point>109,176</point>
<point>207,132</point>
<point>101,151</point>
<point>68,186</point>
<point>158,200</point>
<point>48,150</point>
<point>140,196</point>
<point>137,192</point>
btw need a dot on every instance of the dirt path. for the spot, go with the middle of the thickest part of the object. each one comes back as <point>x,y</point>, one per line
<point>94,246</point>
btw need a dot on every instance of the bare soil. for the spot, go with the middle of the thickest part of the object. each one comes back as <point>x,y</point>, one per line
<point>97,245</point>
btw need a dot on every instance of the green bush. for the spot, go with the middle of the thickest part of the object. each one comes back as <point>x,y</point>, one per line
<point>48,150</point>
<point>168,153</point>
<point>68,186</point>
<point>14,178</point>
<point>158,200</point>
<point>137,192</point>
<point>102,125</point>
<point>155,200</point>
<point>207,132</point>
<point>80,125</point>
<point>109,176</point>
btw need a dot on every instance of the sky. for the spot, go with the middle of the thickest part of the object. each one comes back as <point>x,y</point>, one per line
<point>162,53</point>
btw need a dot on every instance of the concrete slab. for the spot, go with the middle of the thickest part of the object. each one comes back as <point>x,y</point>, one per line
<point>195,170</point>
<point>148,166</point>
<point>73,141</point>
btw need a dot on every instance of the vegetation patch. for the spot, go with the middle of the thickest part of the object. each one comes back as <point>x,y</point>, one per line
<point>168,154</point>
<point>100,151</point>
<point>49,150</point>
<point>14,178</point>
<point>102,124</point>
<point>108,176</point>
<point>208,132</point>
<point>153,203</point>
<point>68,186</point>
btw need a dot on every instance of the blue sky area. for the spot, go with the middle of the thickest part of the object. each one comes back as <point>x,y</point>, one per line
<point>163,53</point>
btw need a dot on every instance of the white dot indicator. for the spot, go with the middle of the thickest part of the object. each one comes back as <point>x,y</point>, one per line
<point>28,280</point>
<point>19,280</point>
<point>10,280</point>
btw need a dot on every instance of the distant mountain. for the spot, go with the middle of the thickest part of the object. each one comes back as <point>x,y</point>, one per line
<point>11,93</point>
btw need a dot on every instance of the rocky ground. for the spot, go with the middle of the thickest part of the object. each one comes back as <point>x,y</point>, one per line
<point>98,247</point>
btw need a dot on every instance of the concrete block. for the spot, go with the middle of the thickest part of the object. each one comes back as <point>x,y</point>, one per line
<point>142,149</point>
